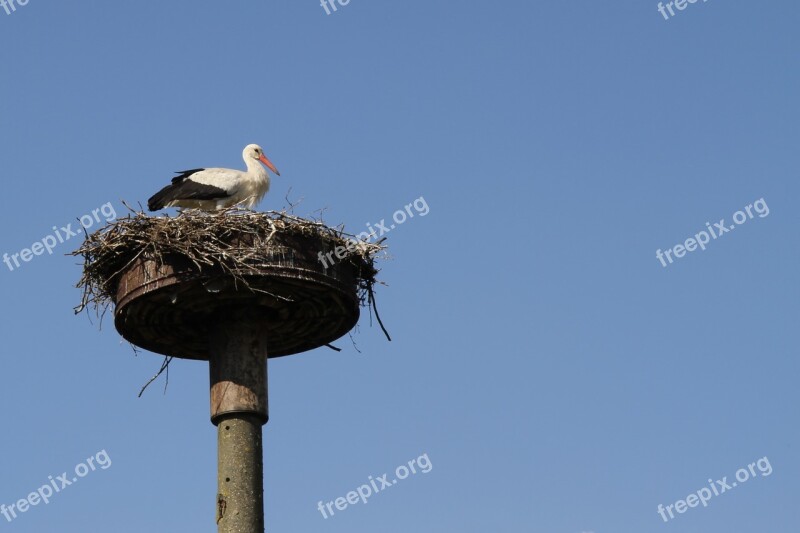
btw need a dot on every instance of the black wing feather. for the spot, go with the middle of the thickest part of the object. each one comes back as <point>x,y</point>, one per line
<point>185,174</point>
<point>183,188</point>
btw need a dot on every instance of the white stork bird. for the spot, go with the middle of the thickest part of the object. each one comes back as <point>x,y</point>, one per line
<point>213,189</point>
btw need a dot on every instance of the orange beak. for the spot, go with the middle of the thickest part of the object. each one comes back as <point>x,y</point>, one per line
<point>269,164</point>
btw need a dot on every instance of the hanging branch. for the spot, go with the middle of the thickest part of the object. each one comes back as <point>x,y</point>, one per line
<point>375,307</point>
<point>164,368</point>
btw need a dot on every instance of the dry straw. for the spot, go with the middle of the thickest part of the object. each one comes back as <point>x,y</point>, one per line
<point>236,241</point>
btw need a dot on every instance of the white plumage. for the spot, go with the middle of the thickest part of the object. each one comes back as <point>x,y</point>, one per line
<point>213,189</point>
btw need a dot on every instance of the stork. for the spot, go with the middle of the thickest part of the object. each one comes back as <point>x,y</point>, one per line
<point>213,189</point>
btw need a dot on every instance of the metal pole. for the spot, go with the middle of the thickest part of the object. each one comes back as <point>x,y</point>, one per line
<point>238,371</point>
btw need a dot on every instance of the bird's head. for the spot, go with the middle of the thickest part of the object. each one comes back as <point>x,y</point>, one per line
<point>254,151</point>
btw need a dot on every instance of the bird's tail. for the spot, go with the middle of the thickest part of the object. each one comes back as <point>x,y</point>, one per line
<point>158,200</point>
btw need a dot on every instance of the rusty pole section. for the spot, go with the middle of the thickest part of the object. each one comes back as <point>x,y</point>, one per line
<point>238,370</point>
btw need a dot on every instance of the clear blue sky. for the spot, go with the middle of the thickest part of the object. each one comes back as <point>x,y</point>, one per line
<point>560,379</point>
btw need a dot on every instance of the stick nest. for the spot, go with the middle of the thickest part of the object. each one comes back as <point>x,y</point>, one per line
<point>208,241</point>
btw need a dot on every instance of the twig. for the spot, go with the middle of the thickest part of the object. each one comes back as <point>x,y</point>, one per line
<point>164,367</point>
<point>350,334</point>
<point>375,306</point>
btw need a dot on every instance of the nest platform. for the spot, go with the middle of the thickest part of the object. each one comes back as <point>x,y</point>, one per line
<point>173,280</point>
